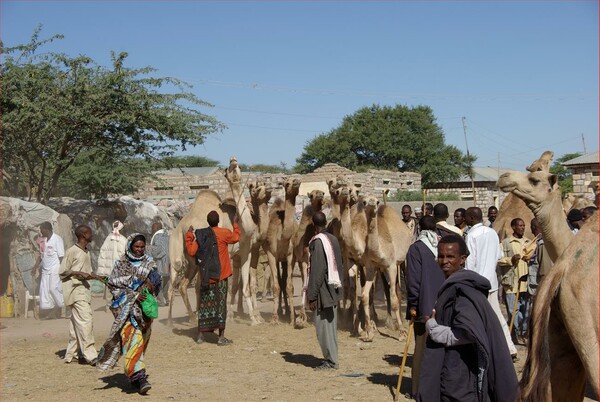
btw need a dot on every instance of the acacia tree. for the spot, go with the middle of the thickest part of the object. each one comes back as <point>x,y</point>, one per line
<point>397,138</point>
<point>54,107</point>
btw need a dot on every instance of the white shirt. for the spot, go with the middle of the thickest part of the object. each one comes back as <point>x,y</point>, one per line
<point>485,251</point>
<point>54,250</point>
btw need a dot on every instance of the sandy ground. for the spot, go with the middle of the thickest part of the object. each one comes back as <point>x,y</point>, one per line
<point>265,363</point>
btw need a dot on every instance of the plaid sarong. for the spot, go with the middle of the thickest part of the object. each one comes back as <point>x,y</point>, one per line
<point>212,307</point>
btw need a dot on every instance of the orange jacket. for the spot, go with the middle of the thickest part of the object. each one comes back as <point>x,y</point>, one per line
<point>224,238</point>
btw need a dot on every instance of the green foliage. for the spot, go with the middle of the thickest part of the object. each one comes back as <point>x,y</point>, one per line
<point>183,161</point>
<point>565,177</point>
<point>263,168</point>
<point>56,108</point>
<point>417,196</point>
<point>396,138</point>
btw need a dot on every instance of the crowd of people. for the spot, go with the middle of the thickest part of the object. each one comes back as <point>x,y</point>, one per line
<point>463,342</point>
<point>455,275</point>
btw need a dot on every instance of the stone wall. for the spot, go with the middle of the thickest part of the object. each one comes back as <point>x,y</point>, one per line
<point>486,194</point>
<point>185,187</point>
<point>585,180</point>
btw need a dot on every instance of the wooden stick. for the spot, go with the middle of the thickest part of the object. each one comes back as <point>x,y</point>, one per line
<point>400,376</point>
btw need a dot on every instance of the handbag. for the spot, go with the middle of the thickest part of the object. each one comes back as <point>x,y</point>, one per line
<point>149,305</point>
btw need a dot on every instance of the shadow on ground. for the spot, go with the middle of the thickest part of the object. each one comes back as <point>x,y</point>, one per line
<point>305,360</point>
<point>119,380</point>
<point>391,381</point>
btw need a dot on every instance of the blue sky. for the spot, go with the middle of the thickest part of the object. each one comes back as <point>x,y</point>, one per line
<point>524,74</point>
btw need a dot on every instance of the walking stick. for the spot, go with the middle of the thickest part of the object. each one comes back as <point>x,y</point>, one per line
<point>400,376</point>
<point>514,312</point>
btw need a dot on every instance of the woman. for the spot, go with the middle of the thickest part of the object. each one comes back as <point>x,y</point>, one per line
<point>130,332</point>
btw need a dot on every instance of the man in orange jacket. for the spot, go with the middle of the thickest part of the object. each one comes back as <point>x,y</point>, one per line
<point>210,247</point>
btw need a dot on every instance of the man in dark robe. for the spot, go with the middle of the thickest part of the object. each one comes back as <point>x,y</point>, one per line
<point>466,356</point>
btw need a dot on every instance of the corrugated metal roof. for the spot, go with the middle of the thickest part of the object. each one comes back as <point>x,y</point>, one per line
<point>487,173</point>
<point>188,171</point>
<point>583,159</point>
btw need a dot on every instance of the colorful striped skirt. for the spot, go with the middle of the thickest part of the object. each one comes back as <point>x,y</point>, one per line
<point>134,342</point>
<point>212,307</point>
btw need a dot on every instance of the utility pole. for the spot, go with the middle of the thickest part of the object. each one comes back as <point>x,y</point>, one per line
<point>470,163</point>
<point>583,140</point>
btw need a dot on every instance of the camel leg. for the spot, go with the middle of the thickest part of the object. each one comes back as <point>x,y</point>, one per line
<point>185,281</point>
<point>302,318</point>
<point>171,296</point>
<point>394,302</point>
<point>235,286</point>
<point>246,293</point>
<point>366,294</point>
<point>253,285</point>
<point>276,287</point>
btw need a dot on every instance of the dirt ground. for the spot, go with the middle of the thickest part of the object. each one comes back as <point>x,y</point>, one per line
<point>265,363</point>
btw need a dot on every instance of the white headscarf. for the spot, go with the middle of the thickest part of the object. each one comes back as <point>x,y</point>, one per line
<point>430,239</point>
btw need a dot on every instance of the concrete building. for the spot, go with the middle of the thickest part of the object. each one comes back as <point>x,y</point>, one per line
<point>486,191</point>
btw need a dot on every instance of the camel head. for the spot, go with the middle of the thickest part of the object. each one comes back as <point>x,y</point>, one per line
<point>354,194</point>
<point>316,198</point>
<point>291,186</point>
<point>260,191</point>
<point>233,173</point>
<point>542,164</point>
<point>371,205</point>
<point>533,188</point>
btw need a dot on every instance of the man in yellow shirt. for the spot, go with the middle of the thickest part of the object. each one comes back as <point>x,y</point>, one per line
<point>516,250</point>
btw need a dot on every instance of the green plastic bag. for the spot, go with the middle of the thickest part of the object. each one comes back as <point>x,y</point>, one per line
<point>149,305</point>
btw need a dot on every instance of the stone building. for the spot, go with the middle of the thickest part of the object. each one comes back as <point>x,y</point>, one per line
<point>486,191</point>
<point>585,174</point>
<point>184,184</point>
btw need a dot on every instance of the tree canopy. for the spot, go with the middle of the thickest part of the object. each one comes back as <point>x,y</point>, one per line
<point>565,176</point>
<point>395,138</point>
<point>58,110</point>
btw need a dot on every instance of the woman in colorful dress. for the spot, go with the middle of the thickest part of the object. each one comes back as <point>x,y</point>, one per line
<point>130,332</point>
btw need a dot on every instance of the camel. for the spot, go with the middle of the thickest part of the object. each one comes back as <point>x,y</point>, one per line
<point>578,201</point>
<point>563,341</point>
<point>388,241</point>
<point>541,195</point>
<point>565,315</point>
<point>183,268</point>
<point>514,207</point>
<point>306,230</point>
<point>278,246</point>
<point>260,194</point>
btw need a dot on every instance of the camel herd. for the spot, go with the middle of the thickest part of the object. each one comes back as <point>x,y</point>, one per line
<point>563,346</point>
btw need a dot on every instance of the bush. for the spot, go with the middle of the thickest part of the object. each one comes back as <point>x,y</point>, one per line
<point>418,196</point>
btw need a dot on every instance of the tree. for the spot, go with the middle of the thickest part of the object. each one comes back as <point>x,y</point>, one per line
<point>56,107</point>
<point>397,138</point>
<point>565,176</point>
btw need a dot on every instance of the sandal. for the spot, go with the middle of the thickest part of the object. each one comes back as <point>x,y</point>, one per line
<point>224,341</point>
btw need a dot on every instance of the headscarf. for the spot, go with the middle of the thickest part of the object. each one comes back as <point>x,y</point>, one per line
<point>430,239</point>
<point>131,240</point>
<point>117,226</point>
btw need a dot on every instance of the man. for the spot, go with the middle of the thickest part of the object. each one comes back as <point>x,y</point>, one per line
<point>410,222</point>
<point>465,356</point>
<point>517,251</point>
<point>484,252</point>
<point>323,290</point>
<point>75,272</point>
<point>440,213</point>
<point>210,247</point>
<point>428,208</point>
<point>52,252</point>
<point>459,219</point>
<point>418,214</point>
<point>424,279</point>
<point>575,220</point>
<point>491,216</point>
<point>159,250</point>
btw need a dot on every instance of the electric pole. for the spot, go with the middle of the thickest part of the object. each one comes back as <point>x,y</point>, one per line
<point>583,140</point>
<point>470,163</point>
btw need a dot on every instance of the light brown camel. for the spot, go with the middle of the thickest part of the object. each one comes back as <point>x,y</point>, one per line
<point>388,241</point>
<point>563,341</point>
<point>514,207</point>
<point>260,194</point>
<point>578,201</point>
<point>541,195</point>
<point>305,232</point>
<point>278,246</point>
<point>183,268</point>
